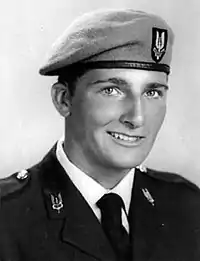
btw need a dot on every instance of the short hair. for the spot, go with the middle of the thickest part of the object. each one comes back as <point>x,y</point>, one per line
<point>71,75</point>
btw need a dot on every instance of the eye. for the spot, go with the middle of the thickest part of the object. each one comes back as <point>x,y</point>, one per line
<point>154,94</point>
<point>111,91</point>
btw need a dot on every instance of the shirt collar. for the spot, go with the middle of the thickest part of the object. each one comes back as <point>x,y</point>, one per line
<point>90,189</point>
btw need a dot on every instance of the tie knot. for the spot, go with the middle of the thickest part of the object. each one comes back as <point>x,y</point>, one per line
<point>111,205</point>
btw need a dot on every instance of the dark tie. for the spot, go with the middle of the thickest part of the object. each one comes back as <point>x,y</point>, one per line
<point>111,219</point>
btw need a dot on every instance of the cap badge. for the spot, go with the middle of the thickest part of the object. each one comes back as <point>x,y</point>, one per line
<point>57,202</point>
<point>148,196</point>
<point>159,43</point>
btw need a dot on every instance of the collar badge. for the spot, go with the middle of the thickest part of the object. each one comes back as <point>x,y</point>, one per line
<point>57,203</point>
<point>148,196</point>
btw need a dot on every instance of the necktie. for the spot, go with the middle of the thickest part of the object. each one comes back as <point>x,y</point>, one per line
<point>111,219</point>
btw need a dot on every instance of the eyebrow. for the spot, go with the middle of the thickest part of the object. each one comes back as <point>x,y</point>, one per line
<point>119,81</point>
<point>156,85</point>
<point>114,80</point>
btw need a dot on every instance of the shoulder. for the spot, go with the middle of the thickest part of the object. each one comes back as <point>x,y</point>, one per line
<point>20,184</point>
<point>16,188</point>
<point>27,183</point>
<point>14,183</point>
<point>17,195</point>
<point>170,178</point>
<point>20,199</point>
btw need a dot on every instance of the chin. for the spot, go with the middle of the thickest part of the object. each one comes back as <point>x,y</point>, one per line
<point>128,161</point>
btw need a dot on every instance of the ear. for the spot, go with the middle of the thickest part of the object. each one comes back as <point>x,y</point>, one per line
<point>61,98</point>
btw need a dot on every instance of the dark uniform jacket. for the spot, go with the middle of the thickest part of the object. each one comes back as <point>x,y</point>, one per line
<point>43,217</point>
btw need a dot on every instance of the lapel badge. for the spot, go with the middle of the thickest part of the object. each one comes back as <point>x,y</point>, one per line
<point>148,196</point>
<point>159,43</point>
<point>57,202</point>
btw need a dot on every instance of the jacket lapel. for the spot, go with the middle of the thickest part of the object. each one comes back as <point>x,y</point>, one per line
<point>82,228</point>
<point>63,201</point>
<point>144,218</point>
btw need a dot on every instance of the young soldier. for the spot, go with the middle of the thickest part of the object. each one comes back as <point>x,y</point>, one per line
<point>90,198</point>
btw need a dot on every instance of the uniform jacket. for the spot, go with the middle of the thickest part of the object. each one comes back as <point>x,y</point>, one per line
<point>43,217</point>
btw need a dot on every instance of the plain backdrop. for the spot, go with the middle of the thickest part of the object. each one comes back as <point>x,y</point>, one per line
<point>29,124</point>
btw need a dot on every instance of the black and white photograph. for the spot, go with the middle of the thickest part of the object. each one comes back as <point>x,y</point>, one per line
<point>100,123</point>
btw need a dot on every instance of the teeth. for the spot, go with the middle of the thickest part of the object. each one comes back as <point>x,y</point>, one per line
<point>123,137</point>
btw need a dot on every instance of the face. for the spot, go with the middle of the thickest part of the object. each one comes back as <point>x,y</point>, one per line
<point>116,115</point>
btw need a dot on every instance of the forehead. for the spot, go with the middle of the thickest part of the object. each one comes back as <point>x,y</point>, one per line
<point>123,76</point>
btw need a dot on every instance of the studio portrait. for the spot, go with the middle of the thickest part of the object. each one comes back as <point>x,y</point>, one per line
<point>99,131</point>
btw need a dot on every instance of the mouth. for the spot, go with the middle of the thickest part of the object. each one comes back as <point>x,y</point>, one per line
<point>126,139</point>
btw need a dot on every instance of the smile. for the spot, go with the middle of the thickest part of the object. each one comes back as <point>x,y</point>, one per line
<point>124,137</point>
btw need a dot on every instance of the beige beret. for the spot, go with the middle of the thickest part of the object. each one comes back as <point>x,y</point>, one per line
<point>113,39</point>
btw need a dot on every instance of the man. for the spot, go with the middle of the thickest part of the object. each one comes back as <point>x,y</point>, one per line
<point>90,198</point>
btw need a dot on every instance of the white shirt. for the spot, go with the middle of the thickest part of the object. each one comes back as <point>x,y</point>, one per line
<point>91,190</point>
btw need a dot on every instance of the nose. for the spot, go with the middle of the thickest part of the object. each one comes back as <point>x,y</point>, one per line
<point>133,117</point>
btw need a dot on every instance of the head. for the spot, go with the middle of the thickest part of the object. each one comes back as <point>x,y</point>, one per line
<point>113,116</point>
<point>113,70</point>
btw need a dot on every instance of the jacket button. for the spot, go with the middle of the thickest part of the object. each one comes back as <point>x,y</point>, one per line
<point>23,174</point>
<point>142,168</point>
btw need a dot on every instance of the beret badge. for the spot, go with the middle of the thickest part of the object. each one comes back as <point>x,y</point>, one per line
<point>159,43</point>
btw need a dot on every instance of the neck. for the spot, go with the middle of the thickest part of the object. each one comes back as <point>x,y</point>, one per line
<point>93,169</point>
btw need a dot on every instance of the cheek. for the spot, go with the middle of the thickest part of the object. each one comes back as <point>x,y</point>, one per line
<point>90,117</point>
<point>101,112</point>
<point>155,116</point>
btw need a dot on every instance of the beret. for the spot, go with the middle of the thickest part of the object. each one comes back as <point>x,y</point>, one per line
<point>122,38</point>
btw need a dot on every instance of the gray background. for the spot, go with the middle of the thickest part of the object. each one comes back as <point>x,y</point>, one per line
<point>29,123</point>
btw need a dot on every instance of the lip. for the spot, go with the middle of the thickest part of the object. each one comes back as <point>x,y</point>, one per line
<point>138,139</point>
